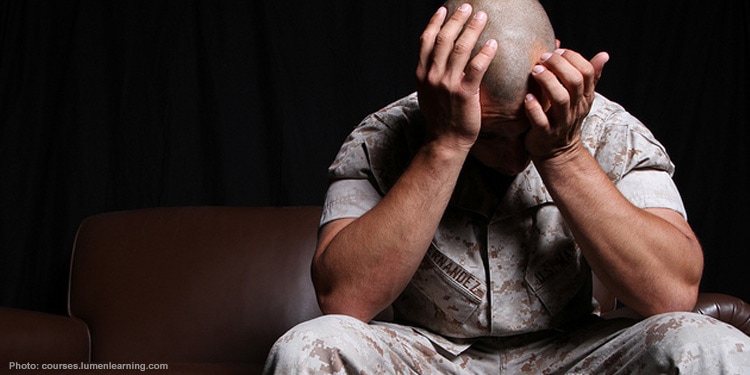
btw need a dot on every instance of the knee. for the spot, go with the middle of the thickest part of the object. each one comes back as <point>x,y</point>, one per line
<point>682,328</point>
<point>327,330</point>
<point>690,340</point>
<point>316,345</point>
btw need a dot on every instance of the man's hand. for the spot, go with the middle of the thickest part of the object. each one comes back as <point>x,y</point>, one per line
<point>448,77</point>
<point>647,258</point>
<point>567,81</point>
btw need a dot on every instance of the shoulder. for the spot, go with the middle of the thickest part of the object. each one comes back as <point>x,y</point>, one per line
<point>388,122</point>
<point>620,142</point>
<point>381,146</point>
<point>607,116</point>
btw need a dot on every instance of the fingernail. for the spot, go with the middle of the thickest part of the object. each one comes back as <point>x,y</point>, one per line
<point>464,8</point>
<point>545,56</point>
<point>537,69</point>
<point>559,51</point>
<point>529,97</point>
<point>492,43</point>
<point>480,16</point>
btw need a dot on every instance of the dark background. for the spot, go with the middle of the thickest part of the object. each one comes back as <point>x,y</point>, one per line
<point>112,105</point>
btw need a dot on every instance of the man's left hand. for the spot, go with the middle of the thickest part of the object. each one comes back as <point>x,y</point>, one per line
<point>567,82</point>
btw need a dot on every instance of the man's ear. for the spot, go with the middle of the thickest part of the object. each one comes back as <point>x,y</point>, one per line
<point>557,43</point>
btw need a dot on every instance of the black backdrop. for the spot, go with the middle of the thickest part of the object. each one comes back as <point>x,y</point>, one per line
<point>112,105</point>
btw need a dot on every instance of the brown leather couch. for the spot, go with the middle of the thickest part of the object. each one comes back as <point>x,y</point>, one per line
<point>201,289</point>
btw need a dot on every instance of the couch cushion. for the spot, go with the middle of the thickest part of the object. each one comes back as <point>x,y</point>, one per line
<point>193,284</point>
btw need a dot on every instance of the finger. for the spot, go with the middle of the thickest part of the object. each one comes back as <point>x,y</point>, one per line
<point>535,112</point>
<point>563,64</point>
<point>465,43</point>
<point>446,37</point>
<point>551,87</point>
<point>478,66</point>
<point>591,70</point>
<point>427,40</point>
<point>598,63</point>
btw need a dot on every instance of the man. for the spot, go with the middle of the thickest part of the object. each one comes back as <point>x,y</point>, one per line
<point>478,209</point>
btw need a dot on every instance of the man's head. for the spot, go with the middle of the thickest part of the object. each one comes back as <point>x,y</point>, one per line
<point>523,32</point>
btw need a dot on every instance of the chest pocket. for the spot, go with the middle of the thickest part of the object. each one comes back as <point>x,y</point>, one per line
<point>557,272</point>
<point>453,289</point>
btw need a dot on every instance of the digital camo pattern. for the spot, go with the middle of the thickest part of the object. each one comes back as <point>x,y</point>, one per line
<point>499,264</point>
<point>503,288</point>
<point>674,343</point>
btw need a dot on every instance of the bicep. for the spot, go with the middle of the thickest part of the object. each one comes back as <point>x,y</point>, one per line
<point>329,231</point>
<point>676,219</point>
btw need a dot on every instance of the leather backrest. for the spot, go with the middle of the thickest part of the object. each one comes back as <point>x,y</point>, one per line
<point>728,309</point>
<point>193,284</point>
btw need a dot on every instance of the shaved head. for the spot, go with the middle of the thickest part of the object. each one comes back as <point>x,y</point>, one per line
<point>523,31</point>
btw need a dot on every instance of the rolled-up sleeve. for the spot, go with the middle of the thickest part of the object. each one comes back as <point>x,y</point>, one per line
<point>371,159</point>
<point>630,155</point>
<point>646,188</point>
<point>348,199</point>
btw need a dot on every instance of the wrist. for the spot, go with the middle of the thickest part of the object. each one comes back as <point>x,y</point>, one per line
<point>447,151</point>
<point>561,157</point>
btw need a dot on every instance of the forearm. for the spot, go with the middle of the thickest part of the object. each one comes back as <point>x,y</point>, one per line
<point>363,267</point>
<point>649,263</point>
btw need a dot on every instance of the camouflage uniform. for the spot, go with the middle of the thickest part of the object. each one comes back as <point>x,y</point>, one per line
<point>503,284</point>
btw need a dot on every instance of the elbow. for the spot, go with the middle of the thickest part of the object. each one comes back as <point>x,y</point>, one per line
<point>329,301</point>
<point>683,294</point>
<point>341,297</point>
<point>334,299</point>
<point>333,303</point>
<point>682,303</point>
<point>681,299</point>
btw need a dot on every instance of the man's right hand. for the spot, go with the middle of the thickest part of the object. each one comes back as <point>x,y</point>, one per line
<point>448,77</point>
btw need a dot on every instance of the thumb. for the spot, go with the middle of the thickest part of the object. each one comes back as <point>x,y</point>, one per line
<point>598,62</point>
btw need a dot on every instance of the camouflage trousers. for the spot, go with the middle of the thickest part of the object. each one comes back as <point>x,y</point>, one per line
<point>672,343</point>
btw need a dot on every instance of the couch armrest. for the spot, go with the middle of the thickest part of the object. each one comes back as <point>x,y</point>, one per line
<point>726,308</point>
<point>36,337</point>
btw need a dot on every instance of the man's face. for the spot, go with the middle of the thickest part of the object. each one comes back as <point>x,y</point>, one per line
<point>500,144</point>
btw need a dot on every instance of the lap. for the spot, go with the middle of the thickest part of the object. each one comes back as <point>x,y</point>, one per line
<point>666,343</point>
<point>340,344</point>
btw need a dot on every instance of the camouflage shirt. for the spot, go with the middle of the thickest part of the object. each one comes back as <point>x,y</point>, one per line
<point>501,263</point>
